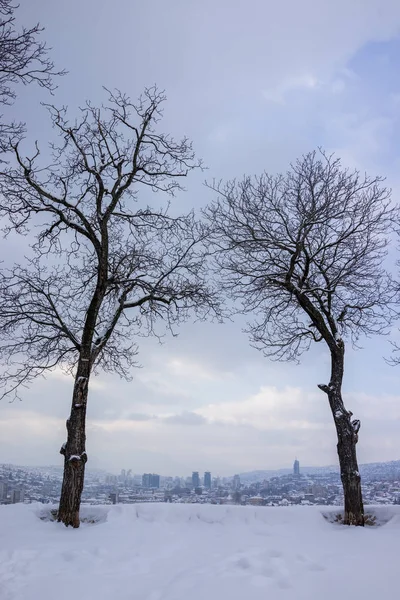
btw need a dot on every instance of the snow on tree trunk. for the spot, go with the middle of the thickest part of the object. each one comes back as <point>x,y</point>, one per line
<point>74,450</point>
<point>350,476</point>
<point>347,434</point>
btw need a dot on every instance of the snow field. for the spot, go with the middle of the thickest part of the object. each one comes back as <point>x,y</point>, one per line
<point>181,552</point>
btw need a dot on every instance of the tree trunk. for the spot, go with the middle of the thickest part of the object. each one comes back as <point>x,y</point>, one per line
<point>74,450</point>
<point>347,433</point>
<point>351,480</point>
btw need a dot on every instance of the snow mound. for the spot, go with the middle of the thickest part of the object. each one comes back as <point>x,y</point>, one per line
<point>91,515</point>
<point>375,516</point>
<point>176,552</point>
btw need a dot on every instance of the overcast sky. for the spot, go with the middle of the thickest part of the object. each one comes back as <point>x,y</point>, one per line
<point>254,83</point>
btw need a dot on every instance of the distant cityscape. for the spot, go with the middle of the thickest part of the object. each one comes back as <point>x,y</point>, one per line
<point>322,486</point>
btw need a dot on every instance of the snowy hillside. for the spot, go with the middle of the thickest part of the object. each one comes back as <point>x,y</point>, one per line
<point>196,552</point>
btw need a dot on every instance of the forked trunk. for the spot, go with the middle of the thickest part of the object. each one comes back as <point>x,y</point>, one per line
<point>74,450</point>
<point>347,434</point>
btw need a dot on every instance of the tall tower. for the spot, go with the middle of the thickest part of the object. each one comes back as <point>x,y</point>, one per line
<point>195,479</point>
<point>146,480</point>
<point>207,480</point>
<point>154,481</point>
<point>236,482</point>
<point>296,468</point>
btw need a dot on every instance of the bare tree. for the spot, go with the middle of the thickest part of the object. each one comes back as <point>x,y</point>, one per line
<point>103,268</point>
<point>304,253</point>
<point>23,59</point>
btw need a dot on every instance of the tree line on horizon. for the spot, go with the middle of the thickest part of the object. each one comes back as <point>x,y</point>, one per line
<point>302,253</point>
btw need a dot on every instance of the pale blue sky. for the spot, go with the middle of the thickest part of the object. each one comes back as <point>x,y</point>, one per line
<point>254,84</point>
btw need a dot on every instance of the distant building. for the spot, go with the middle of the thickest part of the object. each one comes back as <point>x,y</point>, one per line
<point>256,501</point>
<point>111,479</point>
<point>236,482</point>
<point>114,497</point>
<point>3,490</point>
<point>17,496</point>
<point>296,468</point>
<point>155,481</point>
<point>207,480</point>
<point>150,480</point>
<point>137,480</point>
<point>217,482</point>
<point>146,480</point>
<point>195,479</point>
<point>168,483</point>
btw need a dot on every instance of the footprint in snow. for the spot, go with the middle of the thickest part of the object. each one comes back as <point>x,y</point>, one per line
<point>309,564</point>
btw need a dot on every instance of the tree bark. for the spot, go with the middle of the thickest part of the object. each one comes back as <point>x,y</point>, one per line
<point>347,434</point>
<point>74,450</point>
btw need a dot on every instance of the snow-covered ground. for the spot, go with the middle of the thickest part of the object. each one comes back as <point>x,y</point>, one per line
<point>197,552</point>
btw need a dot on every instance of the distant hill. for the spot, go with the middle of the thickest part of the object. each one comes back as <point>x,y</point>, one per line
<point>50,469</point>
<point>391,468</point>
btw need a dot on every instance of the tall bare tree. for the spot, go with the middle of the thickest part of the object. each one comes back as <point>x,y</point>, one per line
<point>103,266</point>
<point>303,253</point>
<point>23,59</point>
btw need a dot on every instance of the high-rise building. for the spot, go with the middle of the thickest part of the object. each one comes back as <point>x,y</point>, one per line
<point>146,480</point>
<point>154,481</point>
<point>137,480</point>
<point>150,480</point>
<point>195,479</point>
<point>207,480</point>
<point>236,482</point>
<point>296,468</point>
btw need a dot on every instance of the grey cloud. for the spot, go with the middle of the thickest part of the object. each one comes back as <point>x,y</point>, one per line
<point>185,418</point>
<point>139,417</point>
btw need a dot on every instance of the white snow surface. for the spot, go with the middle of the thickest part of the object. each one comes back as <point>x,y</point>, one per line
<point>197,552</point>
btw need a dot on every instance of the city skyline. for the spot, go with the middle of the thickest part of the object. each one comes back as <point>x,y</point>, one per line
<point>381,485</point>
<point>287,469</point>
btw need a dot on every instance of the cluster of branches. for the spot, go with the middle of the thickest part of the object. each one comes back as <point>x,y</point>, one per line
<point>104,267</point>
<point>304,253</point>
<point>24,59</point>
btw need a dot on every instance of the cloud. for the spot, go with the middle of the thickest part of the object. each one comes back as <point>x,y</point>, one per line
<point>279,92</point>
<point>139,417</point>
<point>263,430</point>
<point>185,418</point>
<point>67,379</point>
<point>272,409</point>
<point>194,370</point>
<point>364,139</point>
